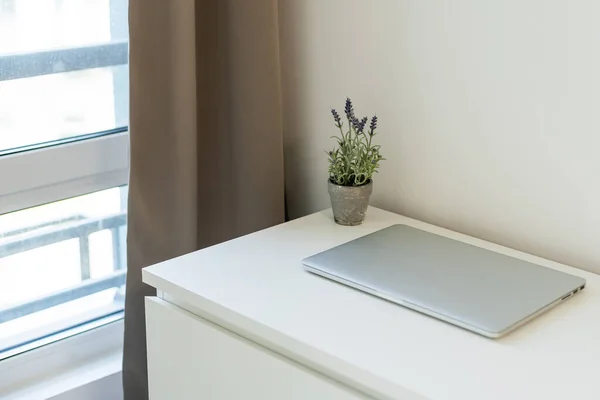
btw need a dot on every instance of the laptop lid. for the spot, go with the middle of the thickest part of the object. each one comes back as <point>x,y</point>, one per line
<point>480,290</point>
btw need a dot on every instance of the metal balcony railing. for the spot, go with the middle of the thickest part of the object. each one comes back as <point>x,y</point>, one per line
<point>26,65</point>
<point>74,228</point>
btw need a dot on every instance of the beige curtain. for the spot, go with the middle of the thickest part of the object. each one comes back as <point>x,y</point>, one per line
<point>206,140</point>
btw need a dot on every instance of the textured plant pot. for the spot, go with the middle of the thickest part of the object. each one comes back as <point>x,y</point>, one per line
<point>350,203</point>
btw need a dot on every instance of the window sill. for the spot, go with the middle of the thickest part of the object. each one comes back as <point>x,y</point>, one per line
<point>65,365</point>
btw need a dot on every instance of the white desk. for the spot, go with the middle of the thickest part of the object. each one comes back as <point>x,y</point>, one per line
<point>242,320</point>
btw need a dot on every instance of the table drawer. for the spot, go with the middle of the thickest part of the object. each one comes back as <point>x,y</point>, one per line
<point>191,358</point>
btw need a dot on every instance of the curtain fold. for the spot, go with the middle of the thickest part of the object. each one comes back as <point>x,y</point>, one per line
<point>205,139</point>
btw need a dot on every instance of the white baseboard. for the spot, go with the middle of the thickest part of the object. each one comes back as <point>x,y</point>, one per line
<point>84,366</point>
<point>107,388</point>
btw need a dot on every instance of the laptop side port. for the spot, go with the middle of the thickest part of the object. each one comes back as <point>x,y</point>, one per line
<point>567,296</point>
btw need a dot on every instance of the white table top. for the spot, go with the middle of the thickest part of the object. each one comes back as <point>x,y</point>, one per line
<point>255,286</point>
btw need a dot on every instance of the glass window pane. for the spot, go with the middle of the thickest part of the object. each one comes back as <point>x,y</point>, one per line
<point>63,69</point>
<point>38,272</point>
<point>37,25</point>
<point>102,260</point>
<point>61,265</point>
<point>52,107</point>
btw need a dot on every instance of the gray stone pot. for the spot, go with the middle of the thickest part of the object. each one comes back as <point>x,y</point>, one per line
<point>350,203</point>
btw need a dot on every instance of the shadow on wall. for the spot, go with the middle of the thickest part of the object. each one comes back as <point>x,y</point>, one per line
<point>295,145</point>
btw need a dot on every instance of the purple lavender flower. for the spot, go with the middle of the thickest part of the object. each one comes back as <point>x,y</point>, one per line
<point>336,117</point>
<point>373,125</point>
<point>349,109</point>
<point>361,125</point>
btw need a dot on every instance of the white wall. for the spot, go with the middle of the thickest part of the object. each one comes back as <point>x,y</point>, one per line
<point>489,112</point>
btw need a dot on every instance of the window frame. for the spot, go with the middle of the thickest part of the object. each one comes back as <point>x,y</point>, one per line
<point>89,353</point>
<point>49,172</point>
<point>62,171</point>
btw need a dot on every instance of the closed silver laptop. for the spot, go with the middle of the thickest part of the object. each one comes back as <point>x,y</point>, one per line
<point>476,289</point>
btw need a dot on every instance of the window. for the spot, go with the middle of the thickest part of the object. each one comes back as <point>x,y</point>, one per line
<point>63,167</point>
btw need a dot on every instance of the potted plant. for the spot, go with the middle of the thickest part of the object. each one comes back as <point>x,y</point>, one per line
<point>352,164</point>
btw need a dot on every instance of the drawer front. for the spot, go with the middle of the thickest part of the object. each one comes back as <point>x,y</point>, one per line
<point>191,358</point>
